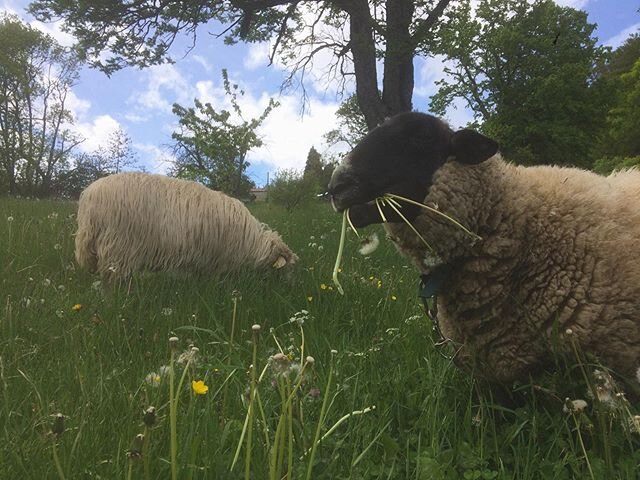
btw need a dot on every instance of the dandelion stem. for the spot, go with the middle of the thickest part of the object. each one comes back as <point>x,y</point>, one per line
<point>252,399</point>
<point>336,267</point>
<point>231,335</point>
<point>584,450</point>
<point>323,411</point>
<point>146,453</point>
<point>384,219</point>
<point>56,461</point>
<point>351,224</point>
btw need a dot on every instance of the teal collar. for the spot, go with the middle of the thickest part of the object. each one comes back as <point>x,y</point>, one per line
<point>430,283</point>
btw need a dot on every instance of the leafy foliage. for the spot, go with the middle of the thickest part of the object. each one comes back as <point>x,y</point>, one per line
<point>291,190</point>
<point>317,171</point>
<point>352,35</point>
<point>527,71</point>
<point>211,146</point>
<point>36,76</point>
<point>351,124</point>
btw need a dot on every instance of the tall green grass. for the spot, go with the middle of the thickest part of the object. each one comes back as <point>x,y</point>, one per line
<point>104,362</point>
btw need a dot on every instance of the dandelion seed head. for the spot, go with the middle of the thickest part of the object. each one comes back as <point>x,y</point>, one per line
<point>149,416</point>
<point>255,327</point>
<point>173,342</point>
<point>310,360</point>
<point>574,406</point>
<point>369,244</point>
<point>9,219</point>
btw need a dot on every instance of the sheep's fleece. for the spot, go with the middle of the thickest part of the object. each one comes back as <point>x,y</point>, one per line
<point>135,221</point>
<point>559,256</point>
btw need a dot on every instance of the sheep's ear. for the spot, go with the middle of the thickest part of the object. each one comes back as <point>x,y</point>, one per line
<point>279,263</point>
<point>472,147</point>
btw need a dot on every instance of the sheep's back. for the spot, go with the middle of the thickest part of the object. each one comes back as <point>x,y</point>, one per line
<point>153,222</point>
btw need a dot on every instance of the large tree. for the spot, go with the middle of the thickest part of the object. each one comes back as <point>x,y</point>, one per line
<point>36,76</point>
<point>356,33</point>
<point>527,70</point>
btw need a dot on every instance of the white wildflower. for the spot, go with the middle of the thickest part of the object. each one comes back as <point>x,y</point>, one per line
<point>9,219</point>
<point>166,311</point>
<point>153,379</point>
<point>57,247</point>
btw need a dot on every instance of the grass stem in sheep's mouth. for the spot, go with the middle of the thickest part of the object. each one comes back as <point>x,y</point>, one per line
<point>390,199</point>
<point>336,267</point>
<point>393,196</point>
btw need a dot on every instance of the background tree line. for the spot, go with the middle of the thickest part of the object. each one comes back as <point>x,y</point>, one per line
<point>531,72</point>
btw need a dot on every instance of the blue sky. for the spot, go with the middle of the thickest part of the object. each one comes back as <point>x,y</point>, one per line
<point>139,101</point>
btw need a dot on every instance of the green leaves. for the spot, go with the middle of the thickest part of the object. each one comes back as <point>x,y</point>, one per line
<point>526,69</point>
<point>211,145</point>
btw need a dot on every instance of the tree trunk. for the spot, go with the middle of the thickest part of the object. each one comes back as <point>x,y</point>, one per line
<point>398,59</point>
<point>364,61</point>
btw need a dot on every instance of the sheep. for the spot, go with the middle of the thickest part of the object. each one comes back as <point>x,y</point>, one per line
<point>132,222</point>
<point>556,263</point>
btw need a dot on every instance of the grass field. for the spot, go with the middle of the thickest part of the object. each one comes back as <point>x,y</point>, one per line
<point>384,405</point>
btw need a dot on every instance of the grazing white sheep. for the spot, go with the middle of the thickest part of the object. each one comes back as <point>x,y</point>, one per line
<point>135,221</point>
<point>557,264</point>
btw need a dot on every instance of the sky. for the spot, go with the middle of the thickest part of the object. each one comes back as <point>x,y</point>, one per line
<point>139,100</point>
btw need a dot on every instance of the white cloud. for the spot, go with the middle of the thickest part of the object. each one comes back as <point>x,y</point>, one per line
<point>76,105</point>
<point>199,59</point>
<point>577,4</point>
<point>165,84</point>
<point>135,118</point>
<point>96,132</point>
<point>619,39</point>
<point>258,56</point>
<point>429,69</point>
<point>156,160</point>
<point>54,30</point>
<point>288,137</point>
<point>458,115</point>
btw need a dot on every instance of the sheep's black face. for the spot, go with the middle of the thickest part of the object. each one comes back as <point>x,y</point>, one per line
<point>401,156</point>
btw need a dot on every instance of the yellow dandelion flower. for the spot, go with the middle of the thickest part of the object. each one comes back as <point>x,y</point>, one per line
<point>77,307</point>
<point>323,286</point>
<point>393,297</point>
<point>198,387</point>
<point>309,299</point>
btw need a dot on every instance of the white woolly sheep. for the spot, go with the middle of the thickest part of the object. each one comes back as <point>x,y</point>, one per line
<point>135,221</point>
<point>557,261</point>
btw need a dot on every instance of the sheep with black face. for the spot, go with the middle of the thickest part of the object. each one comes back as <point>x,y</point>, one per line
<point>558,259</point>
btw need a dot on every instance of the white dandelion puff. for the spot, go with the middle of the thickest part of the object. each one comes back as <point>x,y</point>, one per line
<point>369,244</point>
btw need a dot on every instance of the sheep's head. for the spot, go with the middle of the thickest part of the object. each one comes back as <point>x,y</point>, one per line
<point>401,156</point>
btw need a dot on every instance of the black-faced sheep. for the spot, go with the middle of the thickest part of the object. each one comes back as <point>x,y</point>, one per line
<point>134,221</point>
<point>558,259</point>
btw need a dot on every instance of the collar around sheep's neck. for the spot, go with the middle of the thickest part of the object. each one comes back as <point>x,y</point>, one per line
<point>430,283</point>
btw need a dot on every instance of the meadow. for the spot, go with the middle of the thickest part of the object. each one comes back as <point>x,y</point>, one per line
<point>267,378</point>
